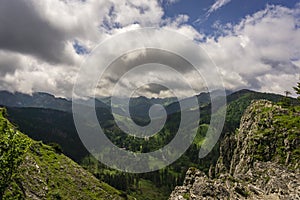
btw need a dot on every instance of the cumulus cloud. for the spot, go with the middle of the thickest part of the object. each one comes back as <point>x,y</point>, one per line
<point>23,30</point>
<point>37,37</point>
<point>31,75</point>
<point>162,39</point>
<point>258,49</point>
<point>9,62</point>
<point>37,40</point>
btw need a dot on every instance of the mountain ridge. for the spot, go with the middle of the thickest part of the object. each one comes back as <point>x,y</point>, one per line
<point>43,123</point>
<point>58,127</point>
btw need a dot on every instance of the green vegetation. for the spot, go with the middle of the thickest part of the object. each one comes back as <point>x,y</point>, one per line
<point>281,125</point>
<point>146,190</point>
<point>238,103</point>
<point>56,126</point>
<point>186,196</point>
<point>153,185</point>
<point>13,146</point>
<point>33,170</point>
<point>297,89</point>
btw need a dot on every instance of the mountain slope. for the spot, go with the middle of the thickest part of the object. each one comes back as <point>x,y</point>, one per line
<point>260,161</point>
<point>32,170</point>
<point>37,100</point>
<point>238,102</point>
<point>49,126</point>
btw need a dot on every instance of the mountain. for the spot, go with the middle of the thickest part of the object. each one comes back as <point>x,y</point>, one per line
<point>37,100</point>
<point>54,126</point>
<point>43,100</point>
<point>162,101</point>
<point>33,170</point>
<point>259,161</point>
<point>237,103</point>
<point>50,125</point>
<point>138,106</point>
<point>203,100</point>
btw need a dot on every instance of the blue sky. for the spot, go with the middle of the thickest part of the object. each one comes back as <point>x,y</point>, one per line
<point>254,43</point>
<point>231,12</point>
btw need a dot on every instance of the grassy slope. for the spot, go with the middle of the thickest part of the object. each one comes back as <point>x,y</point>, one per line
<point>148,191</point>
<point>277,135</point>
<point>44,174</point>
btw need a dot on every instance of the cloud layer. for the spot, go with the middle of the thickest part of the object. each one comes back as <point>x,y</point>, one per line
<point>258,52</point>
<point>38,51</point>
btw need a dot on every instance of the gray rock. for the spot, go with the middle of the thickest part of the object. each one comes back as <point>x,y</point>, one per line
<point>243,170</point>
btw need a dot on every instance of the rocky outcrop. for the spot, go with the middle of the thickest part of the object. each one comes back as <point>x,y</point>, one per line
<point>265,180</point>
<point>267,133</point>
<point>260,161</point>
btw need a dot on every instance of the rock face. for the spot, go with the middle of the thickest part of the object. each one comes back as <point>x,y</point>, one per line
<point>259,161</point>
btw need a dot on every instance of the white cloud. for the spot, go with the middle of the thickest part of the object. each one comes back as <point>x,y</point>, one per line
<point>258,52</point>
<point>169,2</point>
<point>32,75</point>
<point>36,38</point>
<point>261,52</point>
<point>217,5</point>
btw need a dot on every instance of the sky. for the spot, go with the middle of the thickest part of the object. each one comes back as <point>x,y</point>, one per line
<point>255,44</point>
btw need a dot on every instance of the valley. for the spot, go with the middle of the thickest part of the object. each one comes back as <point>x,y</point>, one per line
<point>54,126</point>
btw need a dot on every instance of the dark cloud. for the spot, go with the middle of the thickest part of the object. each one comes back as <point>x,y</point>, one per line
<point>9,63</point>
<point>154,88</point>
<point>136,58</point>
<point>282,67</point>
<point>24,30</point>
<point>125,63</point>
<point>36,40</point>
<point>253,83</point>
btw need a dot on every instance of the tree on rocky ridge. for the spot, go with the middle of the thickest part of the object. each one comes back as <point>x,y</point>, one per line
<point>297,89</point>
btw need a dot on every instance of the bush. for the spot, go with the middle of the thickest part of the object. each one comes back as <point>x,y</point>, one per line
<point>56,147</point>
<point>13,147</point>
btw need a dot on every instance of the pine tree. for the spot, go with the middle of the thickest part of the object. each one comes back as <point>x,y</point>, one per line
<point>297,89</point>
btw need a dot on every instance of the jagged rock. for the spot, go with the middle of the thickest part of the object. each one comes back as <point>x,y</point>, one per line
<point>264,136</point>
<point>260,161</point>
<point>266,180</point>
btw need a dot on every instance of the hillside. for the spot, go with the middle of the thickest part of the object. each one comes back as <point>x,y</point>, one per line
<point>38,100</point>
<point>260,161</point>
<point>48,125</point>
<point>32,170</point>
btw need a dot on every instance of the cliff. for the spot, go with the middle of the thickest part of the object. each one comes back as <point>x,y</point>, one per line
<point>259,161</point>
